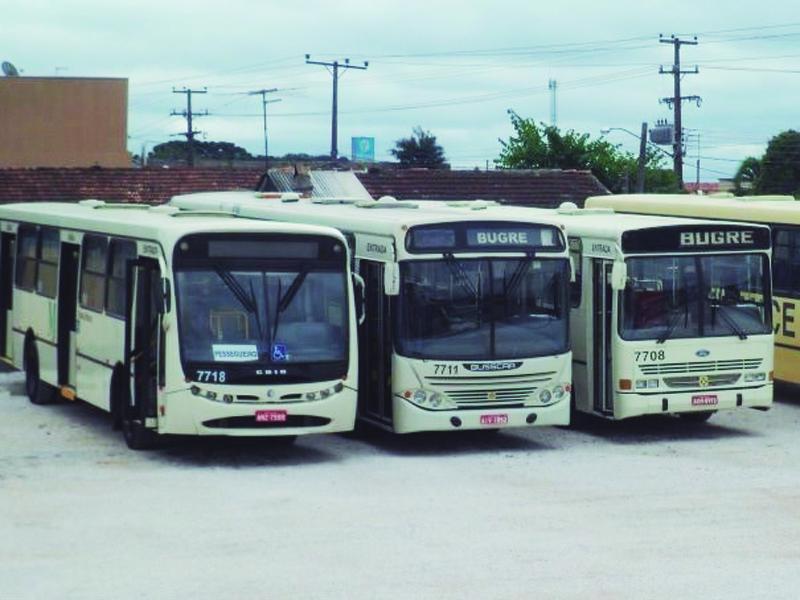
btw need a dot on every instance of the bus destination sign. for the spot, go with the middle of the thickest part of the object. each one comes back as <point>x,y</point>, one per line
<point>495,236</point>
<point>694,238</point>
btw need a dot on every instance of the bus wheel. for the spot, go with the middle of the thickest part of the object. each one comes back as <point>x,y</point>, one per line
<point>697,417</point>
<point>137,436</point>
<point>38,391</point>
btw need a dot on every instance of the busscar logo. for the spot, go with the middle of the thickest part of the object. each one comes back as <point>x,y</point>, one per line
<point>702,353</point>
<point>492,366</point>
<point>716,238</point>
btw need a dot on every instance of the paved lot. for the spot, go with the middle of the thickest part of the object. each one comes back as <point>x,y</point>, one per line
<point>647,509</point>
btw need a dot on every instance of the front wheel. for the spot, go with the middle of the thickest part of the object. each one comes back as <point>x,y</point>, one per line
<point>137,436</point>
<point>697,417</point>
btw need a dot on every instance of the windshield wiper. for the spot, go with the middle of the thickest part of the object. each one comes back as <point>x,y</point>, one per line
<point>248,302</point>
<point>674,319</point>
<point>738,331</point>
<point>286,299</point>
<point>457,269</point>
<point>519,274</point>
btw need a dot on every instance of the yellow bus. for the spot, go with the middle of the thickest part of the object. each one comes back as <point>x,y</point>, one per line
<point>782,214</point>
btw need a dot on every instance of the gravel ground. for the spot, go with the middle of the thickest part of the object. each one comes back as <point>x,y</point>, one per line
<point>653,508</point>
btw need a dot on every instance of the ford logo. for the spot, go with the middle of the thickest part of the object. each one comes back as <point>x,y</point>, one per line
<point>702,353</point>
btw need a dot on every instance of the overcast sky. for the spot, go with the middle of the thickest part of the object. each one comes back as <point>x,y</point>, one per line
<point>453,68</point>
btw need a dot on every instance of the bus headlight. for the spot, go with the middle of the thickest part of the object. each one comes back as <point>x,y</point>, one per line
<point>325,393</point>
<point>558,392</point>
<point>429,399</point>
<point>646,384</point>
<point>545,396</point>
<point>754,377</point>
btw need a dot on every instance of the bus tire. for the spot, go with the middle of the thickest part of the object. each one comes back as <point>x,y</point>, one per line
<point>136,435</point>
<point>697,417</point>
<point>37,390</point>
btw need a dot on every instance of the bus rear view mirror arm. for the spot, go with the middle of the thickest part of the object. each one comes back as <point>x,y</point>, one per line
<point>619,276</point>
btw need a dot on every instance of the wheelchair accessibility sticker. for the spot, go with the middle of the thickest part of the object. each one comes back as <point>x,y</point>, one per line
<point>279,353</point>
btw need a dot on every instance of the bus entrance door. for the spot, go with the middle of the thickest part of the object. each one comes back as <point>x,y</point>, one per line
<point>142,339</point>
<point>6,288</point>
<point>67,308</point>
<point>374,348</point>
<point>602,384</point>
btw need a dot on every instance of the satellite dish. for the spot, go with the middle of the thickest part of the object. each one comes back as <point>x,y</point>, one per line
<point>9,70</point>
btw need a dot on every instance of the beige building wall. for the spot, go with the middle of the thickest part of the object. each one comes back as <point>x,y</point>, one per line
<point>63,122</point>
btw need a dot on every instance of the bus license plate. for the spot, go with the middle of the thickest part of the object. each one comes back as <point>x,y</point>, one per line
<point>501,419</point>
<point>705,400</point>
<point>271,416</point>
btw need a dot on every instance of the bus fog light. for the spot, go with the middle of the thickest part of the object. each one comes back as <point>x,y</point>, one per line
<point>545,396</point>
<point>753,377</point>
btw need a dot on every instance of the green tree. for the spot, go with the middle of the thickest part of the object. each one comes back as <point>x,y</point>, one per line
<point>746,178</point>
<point>419,150</point>
<point>177,150</point>
<point>780,166</point>
<point>541,146</point>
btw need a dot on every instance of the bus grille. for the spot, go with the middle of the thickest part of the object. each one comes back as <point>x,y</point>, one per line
<point>496,390</point>
<point>702,381</point>
<point>705,366</point>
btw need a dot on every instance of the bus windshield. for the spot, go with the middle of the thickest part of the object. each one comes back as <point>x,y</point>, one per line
<point>696,296</point>
<point>256,315</point>
<point>483,309</point>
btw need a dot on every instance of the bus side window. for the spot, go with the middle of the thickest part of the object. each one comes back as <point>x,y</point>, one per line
<point>47,272</point>
<point>786,261</point>
<point>576,252</point>
<point>120,252</point>
<point>93,272</point>
<point>28,241</point>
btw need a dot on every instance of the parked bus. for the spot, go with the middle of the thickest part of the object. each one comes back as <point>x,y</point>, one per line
<point>466,318</point>
<point>668,315</point>
<point>782,214</point>
<point>179,322</point>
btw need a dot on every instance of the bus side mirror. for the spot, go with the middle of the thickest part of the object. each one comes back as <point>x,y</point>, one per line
<point>358,284</point>
<point>573,276</point>
<point>391,279</point>
<point>619,276</point>
<point>166,297</point>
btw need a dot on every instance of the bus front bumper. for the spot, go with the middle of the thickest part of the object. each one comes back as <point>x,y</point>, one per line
<point>409,417</point>
<point>633,405</point>
<point>185,414</point>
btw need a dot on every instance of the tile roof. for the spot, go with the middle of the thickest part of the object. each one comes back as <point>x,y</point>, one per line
<point>547,187</point>
<point>540,187</point>
<point>119,185</point>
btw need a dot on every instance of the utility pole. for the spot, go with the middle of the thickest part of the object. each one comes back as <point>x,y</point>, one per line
<point>676,99</point>
<point>263,93</point>
<point>552,85</point>
<point>188,114</point>
<point>642,159</point>
<point>334,67</point>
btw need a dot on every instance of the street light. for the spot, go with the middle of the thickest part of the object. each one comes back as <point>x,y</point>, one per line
<point>643,141</point>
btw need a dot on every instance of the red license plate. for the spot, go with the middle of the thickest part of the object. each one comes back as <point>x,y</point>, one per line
<point>501,419</point>
<point>271,416</point>
<point>705,400</point>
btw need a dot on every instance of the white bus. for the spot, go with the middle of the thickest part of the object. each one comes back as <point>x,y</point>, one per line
<point>179,322</point>
<point>466,318</point>
<point>668,316</point>
<point>782,214</point>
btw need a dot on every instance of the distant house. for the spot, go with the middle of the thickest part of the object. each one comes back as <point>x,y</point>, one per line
<point>546,188</point>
